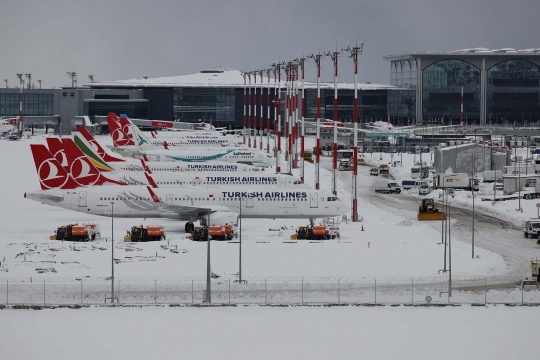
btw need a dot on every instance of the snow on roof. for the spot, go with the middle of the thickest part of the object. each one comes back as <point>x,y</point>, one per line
<point>471,51</point>
<point>219,77</point>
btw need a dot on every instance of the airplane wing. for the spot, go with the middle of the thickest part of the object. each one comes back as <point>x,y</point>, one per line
<point>185,210</point>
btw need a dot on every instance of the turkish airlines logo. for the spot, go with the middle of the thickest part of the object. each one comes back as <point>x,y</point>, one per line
<point>82,172</point>
<point>119,138</point>
<point>49,175</point>
<point>127,130</point>
<point>60,155</point>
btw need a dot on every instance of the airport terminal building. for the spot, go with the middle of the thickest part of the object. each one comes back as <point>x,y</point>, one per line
<point>499,86</point>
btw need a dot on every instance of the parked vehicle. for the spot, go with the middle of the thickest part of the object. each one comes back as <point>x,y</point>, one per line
<point>374,171</point>
<point>527,285</point>
<point>411,184</point>
<point>531,228</point>
<point>519,169</point>
<point>386,186</point>
<point>455,181</point>
<point>493,175</point>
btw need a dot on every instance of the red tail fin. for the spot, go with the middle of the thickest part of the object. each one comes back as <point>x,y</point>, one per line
<point>81,169</point>
<point>145,167</point>
<point>165,145</point>
<point>153,135</point>
<point>119,137</point>
<point>57,150</point>
<point>50,172</point>
<point>101,152</point>
<point>145,158</point>
<point>153,195</point>
<point>150,180</point>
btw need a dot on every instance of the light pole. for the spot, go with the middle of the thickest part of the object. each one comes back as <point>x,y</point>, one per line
<point>208,298</point>
<point>240,245</point>
<point>112,298</point>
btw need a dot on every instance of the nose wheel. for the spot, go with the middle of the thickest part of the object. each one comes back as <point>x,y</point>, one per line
<point>189,227</point>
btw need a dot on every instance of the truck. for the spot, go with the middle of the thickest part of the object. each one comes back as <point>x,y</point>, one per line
<point>531,228</point>
<point>345,165</point>
<point>383,169</point>
<point>519,169</point>
<point>76,232</point>
<point>148,233</point>
<point>387,186</point>
<point>411,184</point>
<point>315,233</point>
<point>419,172</point>
<point>455,181</point>
<point>493,176</point>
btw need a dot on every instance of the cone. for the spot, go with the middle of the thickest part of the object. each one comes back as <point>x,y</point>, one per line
<point>362,228</point>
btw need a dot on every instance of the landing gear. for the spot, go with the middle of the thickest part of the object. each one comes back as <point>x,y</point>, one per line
<point>189,227</point>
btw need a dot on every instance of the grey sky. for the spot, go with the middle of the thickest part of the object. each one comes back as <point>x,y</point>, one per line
<point>125,39</point>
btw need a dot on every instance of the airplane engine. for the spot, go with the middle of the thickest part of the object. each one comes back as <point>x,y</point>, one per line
<point>221,218</point>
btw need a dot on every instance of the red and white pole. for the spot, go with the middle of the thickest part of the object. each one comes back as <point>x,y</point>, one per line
<point>317,58</point>
<point>261,116</point>
<point>287,105</point>
<point>290,127</point>
<point>302,173</point>
<point>296,133</point>
<point>20,76</point>
<point>244,130</point>
<point>335,56</point>
<point>278,110</point>
<point>249,110</point>
<point>268,112</point>
<point>255,111</point>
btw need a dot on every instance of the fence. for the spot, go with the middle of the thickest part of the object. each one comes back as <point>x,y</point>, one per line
<point>271,290</point>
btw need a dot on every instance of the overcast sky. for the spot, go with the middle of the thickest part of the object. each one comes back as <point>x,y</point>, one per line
<point>126,38</point>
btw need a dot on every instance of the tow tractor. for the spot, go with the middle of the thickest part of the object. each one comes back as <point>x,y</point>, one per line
<point>141,233</point>
<point>427,210</point>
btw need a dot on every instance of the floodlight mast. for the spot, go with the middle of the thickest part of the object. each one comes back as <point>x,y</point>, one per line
<point>20,76</point>
<point>274,71</point>
<point>335,56</point>
<point>268,71</point>
<point>287,70</point>
<point>255,110</point>
<point>278,158</point>
<point>295,114</point>
<point>317,58</point>
<point>353,54</point>
<point>249,109</point>
<point>29,77</point>
<point>244,129</point>
<point>261,72</point>
<point>290,117</point>
<point>303,133</point>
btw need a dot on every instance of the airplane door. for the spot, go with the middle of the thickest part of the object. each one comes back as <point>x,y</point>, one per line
<point>197,181</point>
<point>249,202</point>
<point>169,199</point>
<point>82,198</point>
<point>314,200</point>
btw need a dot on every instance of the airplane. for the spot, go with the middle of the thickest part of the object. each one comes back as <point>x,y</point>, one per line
<point>7,125</point>
<point>67,153</point>
<point>96,146</point>
<point>220,204</point>
<point>243,155</point>
<point>153,166</point>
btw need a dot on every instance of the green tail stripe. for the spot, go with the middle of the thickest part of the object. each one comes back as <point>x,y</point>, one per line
<point>95,159</point>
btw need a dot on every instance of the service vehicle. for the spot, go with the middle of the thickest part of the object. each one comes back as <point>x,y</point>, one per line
<point>455,181</point>
<point>519,169</point>
<point>427,210</point>
<point>308,156</point>
<point>374,171</point>
<point>387,186</point>
<point>527,285</point>
<point>76,232</point>
<point>225,232</point>
<point>320,232</point>
<point>411,184</point>
<point>345,165</point>
<point>384,169</point>
<point>424,189</point>
<point>493,176</point>
<point>531,228</point>
<point>148,233</point>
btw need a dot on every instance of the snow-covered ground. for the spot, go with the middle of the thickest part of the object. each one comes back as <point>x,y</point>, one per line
<point>464,332</point>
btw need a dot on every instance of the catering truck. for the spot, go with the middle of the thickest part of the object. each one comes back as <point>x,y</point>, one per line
<point>455,181</point>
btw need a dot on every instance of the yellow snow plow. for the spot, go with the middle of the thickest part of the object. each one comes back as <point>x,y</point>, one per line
<point>427,210</point>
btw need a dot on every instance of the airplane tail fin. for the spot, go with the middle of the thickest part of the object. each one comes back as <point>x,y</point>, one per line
<point>91,153</point>
<point>81,168</point>
<point>57,150</point>
<point>50,173</point>
<point>138,137</point>
<point>119,137</point>
<point>95,145</point>
<point>165,145</point>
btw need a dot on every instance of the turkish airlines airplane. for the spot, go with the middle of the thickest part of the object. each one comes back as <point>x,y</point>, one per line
<point>67,153</point>
<point>220,204</point>
<point>154,166</point>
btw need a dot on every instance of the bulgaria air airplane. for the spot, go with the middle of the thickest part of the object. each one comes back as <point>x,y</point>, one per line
<point>144,147</point>
<point>104,162</point>
<point>189,204</point>
<point>69,156</point>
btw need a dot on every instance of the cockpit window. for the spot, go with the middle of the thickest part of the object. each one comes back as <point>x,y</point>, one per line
<point>332,198</point>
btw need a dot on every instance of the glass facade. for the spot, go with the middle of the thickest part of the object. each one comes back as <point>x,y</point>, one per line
<point>199,104</point>
<point>133,109</point>
<point>513,92</point>
<point>403,73</point>
<point>33,104</point>
<point>402,106</point>
<point>441,93</point>
<point>111,97</point>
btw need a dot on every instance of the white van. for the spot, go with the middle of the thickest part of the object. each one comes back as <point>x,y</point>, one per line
<point>386,186</point>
